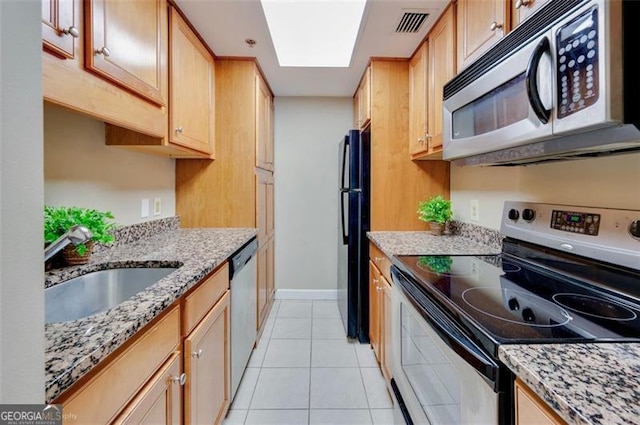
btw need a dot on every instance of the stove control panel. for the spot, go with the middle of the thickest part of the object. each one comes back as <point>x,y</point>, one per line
<point>576,222</point>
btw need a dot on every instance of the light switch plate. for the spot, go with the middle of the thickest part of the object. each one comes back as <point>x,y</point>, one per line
<point>144,208</point>
<point>475,210</point>
<point>157,206</point>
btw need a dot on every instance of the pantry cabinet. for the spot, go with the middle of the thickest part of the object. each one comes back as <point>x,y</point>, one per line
<point>362,102</point>
<point>192,85</point>
<point>523,9</point>
<point>126,44</point>
<point>480,24</point>
<point>531,410</point>
<point>431,67</point>
<point>59,28</point>
<point>264,125</point>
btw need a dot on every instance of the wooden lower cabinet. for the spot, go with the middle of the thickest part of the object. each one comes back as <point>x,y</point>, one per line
<point>374,309</point>
<point>207,391</point>
<point>385,328</point>
<point>160,401</point>
<point>531,410</point>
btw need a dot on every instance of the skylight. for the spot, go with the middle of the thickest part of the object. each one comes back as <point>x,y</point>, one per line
<point>314,33</point>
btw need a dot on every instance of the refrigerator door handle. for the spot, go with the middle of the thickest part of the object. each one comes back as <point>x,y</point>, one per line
<point>344,162</point>
<point>345,237</point>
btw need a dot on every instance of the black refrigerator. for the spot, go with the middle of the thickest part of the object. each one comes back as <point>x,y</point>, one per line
<point>353,246</point>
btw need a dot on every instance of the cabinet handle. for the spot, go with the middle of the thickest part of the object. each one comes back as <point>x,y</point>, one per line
<point>375,282</point>
<point>379,288</point>
<point>179,130</point>
<point>197,354</point>
<point>72,31</point>
<point>420,140</point>
<point>494,26</point>
<point>378,259</point>
<point>180,379</point>
<point>521,3</point>
<point>103,51</point>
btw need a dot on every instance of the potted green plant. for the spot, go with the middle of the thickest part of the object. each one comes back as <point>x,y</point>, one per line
<point>58,220</point>
<point>437,212</point>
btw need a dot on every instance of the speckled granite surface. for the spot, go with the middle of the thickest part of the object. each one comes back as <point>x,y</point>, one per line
<point>463,239</point>
<point>584,383</point>
<point>128,234</point>
<point>73,348</point>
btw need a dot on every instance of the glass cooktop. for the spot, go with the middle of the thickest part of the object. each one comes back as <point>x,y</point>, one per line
<point>500,299</point>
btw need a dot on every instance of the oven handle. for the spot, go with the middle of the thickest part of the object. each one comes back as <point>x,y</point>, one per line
<point>542,113</point>
<point>448,331</point>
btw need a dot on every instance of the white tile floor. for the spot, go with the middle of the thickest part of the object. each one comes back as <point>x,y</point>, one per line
<point>305,371</point>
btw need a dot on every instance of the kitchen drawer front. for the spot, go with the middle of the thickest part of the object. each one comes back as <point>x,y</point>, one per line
<point>205,296</point>
<point>107,393</point>
<point>382,262</point>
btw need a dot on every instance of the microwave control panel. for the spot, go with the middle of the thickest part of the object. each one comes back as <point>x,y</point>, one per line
<point>577,65</point>
<point>575,222</point>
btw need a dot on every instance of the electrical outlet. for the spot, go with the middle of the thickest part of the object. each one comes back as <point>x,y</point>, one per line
<point>157,206</point>
<point>144,208</point>
<point>475,210</point>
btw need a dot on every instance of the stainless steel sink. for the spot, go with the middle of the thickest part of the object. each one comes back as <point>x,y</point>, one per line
<point>96,292</point>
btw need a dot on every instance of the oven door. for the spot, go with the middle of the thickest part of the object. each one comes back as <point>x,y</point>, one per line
<point>442,377</point>
<point>507,105</point>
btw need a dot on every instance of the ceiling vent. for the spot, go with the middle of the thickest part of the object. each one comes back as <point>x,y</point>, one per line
<point>410,22</point>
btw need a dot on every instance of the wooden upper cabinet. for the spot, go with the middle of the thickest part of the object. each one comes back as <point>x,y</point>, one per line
<point>418,100</point>
<point>364,99</point>
<point>126,44</point>
<point>191,88</point>
<point>59,29</point>
<point>480,25</point>
<point>522,9</point>
<point>264,125</point>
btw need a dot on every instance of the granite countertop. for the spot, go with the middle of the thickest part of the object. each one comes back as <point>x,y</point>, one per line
<point>586,384</point>
<point>73,348</point>
<point>423,243</point>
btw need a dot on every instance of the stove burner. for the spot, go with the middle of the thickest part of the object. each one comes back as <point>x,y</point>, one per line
<point>595,306</point>
<point>516,307</point>
<point>510,268</point>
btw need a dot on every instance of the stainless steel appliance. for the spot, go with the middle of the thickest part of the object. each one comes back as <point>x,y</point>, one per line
<point>562,85</point>
<point>243,281</point>
<point>353,245</point>
<point>566,274</point>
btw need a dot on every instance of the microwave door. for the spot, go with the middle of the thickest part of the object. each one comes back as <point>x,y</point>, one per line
<point>506,106</point>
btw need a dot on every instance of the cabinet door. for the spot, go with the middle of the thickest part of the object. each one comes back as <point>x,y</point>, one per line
<point>480,25</point>
<point>270,206</point>
<point>522,9</point>
<point>441,68</point>
<point>356,109</point>
<point>191,115</point>
<point>264,152</point>
<point>262,189</point>
<point>530,410</point>
<point>385,328</point>
<point>59,29</point>
<point>207,365</point>
<point>263,272</point>
<point>126,44</point>
<point>160,401</point>
<point>364,99</point>
<point>374,309</point>
<point>418,100</point>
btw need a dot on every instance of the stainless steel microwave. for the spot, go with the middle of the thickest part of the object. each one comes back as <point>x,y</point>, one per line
<point>557,87</point>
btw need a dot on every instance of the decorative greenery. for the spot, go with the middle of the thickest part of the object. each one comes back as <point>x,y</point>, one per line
<point>438,264</point>
<point>58,220</point>
<point>436,209</point>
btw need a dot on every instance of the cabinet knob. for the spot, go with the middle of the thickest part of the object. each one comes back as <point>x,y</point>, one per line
<point>197,354</point>
<point>379,288</point>
<point>375,282</point>
<point>179,130</point>
<point>420,140</point>
<point>103,51</point>
<point>72,31</point>
<point>378,259</point>
<point>494,26</point>
<point>179,379</point>
<point>521,3</point>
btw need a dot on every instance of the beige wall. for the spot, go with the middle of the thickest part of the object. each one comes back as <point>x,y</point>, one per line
<point>80,170</point>
<point>612,182</point>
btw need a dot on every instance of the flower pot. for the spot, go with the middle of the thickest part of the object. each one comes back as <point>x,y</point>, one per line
<point>436,228</point>
<point>72,258</point>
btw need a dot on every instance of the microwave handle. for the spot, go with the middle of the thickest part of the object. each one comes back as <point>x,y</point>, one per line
<point>532,82</point>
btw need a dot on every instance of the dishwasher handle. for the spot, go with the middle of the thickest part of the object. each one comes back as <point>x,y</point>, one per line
<point>242,257</point>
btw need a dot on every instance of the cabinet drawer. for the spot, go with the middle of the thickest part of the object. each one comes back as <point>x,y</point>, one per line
<point>98,401</point>
<point>382,262</point>
<point>200,301</point>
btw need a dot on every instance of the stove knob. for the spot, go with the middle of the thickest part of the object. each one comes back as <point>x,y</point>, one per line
<point>514,214</point>
<point>514,305</point>
<point>528,316</point>
<point>528,214</point>
<point>634,229</point>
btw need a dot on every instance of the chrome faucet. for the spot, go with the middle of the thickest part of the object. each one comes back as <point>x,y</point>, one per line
<point>75,235</point>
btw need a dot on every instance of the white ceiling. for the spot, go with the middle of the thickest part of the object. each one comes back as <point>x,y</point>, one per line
<point>225,24</point>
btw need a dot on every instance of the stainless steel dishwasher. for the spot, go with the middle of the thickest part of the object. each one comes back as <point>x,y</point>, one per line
<point>243,280</point>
